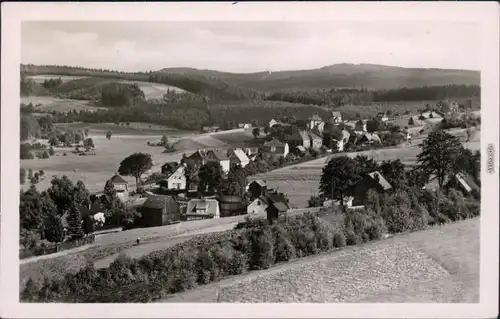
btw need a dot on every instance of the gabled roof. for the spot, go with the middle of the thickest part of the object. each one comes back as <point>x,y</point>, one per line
<point>179,167</point>
<point>274,197</point>
<point>281,207</point>
<point>381,180</point>
<point>240,155</point>
<point>169,167</point>
<point>218,154</point>
<point>210,205</point>
<point>159,202</point>
<point>260,182</point>
<point>372,137</point>
<point>117,179</point>
<point>467,182</point>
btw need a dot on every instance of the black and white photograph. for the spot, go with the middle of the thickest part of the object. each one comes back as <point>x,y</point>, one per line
<point>179,153</point>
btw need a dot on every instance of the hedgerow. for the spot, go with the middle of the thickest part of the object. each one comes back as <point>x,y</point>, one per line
<point>252,245</point>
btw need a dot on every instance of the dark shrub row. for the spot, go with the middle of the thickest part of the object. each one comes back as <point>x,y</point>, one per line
<point>252,245</point>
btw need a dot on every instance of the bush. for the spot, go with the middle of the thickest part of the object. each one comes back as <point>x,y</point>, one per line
<point>339,240</point>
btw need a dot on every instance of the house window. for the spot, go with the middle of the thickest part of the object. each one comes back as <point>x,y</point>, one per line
<point>258,203</point>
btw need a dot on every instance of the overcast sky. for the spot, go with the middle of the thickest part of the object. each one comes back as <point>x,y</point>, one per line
<point>250,46</point>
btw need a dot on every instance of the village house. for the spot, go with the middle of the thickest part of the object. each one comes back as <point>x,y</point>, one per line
<point>336,117</point>
<point>198,158</point>
<point>202,209</point>
<point>315,141</point>
<point>258,205</point>
<point>251,151</point>
<point>277,205</point>
<point>220,156</point>
<point>257,188</point>
<point>159,210</point>
<point>273,122</point>
<point>338,145</point>
<point>276,148</point>
<point>360,126</point>
<point>465,183</point>
<point>382,117</point>
<point>314,121</point>
<point>238,157</point>
<point>372,181</point>
<point>299,138</point>
<point>368,138</point>
<point>121,187</point>
<point>175,176</point>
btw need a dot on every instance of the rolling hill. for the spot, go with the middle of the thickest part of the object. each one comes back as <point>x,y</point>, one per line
<point>370,76</point>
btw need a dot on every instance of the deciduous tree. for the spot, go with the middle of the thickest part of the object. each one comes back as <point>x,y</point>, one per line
<point>210,177</point>
<point>338,178</point>
<point>439,155</point>
<point>135,165</point>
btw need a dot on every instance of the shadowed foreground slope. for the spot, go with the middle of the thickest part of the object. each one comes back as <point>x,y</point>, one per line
<point>436,265</point>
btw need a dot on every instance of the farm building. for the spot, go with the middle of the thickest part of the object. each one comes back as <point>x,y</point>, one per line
<point>220,156</point>
<point>315,140</point>
<point>382,117</point>
<point>257,188</point>
<point>299,138</point>
<point>276,148</point>
<point>159,210</point>
<point>336,117</point>
<point>273,122</point>
<point>202,209</point>
<point>338,145</point>
<point>465,183</point>
<point>360,126</point>
<point>314,121</point>
<point>275,208</point>
<point>372,181</point>
<point>231,205</point>
<point>258,205</point>
<point>251,150</point>
<point>175,176</point>
<point>198,158</point>
<point>121,187</point>
<point>238,157</point>
<point>368,138</point>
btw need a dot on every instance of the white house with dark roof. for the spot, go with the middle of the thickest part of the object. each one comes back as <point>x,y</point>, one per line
<point>238,157</point>
<point>276,148</point>
<point>221,156</point>
<point>121,187</point>
<point>336,117</point>
<point>314,120</point>
<point>202,209</point>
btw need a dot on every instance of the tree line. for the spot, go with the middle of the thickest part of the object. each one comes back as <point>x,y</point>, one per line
<point>338,97</point>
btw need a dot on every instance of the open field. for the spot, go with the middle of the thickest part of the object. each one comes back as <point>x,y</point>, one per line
<point>301,181</point>
<point>49,104</point>
<point>440,264</point>
<point>123,129</point>
<point>153,91</point>
<point>40,78</point>
<point>95,170</point>
<point>223,139</point>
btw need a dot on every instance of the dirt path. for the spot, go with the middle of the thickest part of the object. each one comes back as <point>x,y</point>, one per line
<point>54,255</point>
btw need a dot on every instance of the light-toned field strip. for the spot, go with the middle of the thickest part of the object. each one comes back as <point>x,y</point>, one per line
<point>436,265</point>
